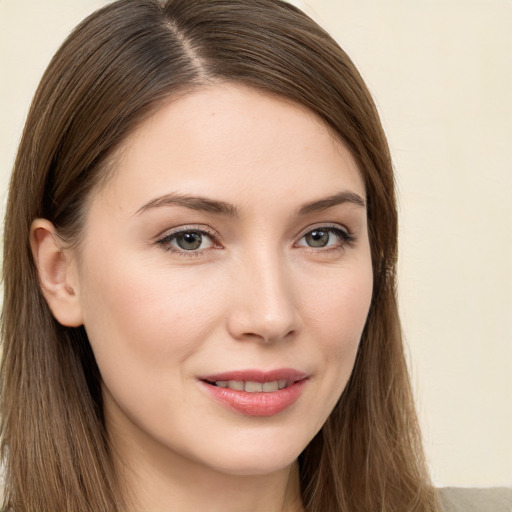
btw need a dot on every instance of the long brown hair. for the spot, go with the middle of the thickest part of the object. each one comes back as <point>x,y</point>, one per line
<point>113,71</point>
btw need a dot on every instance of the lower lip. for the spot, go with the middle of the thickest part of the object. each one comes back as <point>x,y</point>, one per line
<point>257,404</point>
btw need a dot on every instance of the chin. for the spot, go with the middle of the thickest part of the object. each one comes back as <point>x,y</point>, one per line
<point>254,466</point>
<point>258,458</point>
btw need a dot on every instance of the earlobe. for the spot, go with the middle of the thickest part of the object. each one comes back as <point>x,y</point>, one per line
<point>57,273</point>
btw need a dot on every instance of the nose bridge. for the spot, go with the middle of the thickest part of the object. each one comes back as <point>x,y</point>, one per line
<point>265,305</point>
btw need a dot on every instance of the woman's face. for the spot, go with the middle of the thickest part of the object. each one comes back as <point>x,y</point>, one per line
<point>224,280</point>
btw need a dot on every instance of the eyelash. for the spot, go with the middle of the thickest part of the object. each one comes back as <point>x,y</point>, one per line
<point>346,238</point>
<point>165,241</point>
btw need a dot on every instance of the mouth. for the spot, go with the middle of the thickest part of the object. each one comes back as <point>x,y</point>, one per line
<point>254,392</point>
<point>252,386</point>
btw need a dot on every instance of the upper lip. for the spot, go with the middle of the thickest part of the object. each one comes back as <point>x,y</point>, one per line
<point>254,375</point>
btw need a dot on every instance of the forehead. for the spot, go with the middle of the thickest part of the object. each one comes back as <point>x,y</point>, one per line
<point>235,143</point>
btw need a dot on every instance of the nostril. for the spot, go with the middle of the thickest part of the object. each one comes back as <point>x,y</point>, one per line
<point>268,314</point>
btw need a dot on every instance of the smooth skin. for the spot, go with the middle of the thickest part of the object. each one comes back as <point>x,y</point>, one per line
<point>232,235</point>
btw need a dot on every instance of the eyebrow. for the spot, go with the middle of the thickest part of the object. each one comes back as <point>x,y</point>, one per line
<point>208,205</point>
<point>329,202</point>
<point>199,203</point>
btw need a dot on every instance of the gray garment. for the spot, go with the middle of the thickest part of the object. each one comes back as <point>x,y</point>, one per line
<point>458,499</point>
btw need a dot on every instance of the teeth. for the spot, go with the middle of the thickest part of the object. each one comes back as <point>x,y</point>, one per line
<point>251,386</point>
<point>236,384</point>
<point>271,386</point>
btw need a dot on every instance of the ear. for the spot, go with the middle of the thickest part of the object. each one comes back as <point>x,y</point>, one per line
<point>57,273</point>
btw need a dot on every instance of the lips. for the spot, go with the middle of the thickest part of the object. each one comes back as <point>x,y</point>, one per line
<point>255,392</point>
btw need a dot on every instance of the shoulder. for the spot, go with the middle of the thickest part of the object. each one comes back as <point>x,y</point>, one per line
<point>459,499</point>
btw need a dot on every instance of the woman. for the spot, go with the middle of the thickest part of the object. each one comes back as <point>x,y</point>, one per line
<point>199,269</point>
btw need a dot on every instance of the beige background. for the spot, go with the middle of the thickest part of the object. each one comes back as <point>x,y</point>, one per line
<point>441,73</point>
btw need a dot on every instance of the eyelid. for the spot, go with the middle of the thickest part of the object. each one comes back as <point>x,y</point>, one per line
<point>164,239</point>
<point>348,238</point>
<point>199,228</point>
<point>328,225</point>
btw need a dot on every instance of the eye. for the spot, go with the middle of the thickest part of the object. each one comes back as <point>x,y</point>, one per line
<point>187,241</point>
<point>326,237</point>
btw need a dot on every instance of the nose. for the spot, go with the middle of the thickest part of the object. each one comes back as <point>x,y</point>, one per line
<point>264,306</point>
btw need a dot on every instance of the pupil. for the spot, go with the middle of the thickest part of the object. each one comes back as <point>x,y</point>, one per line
<point>189,241</point>
<point>317,238</point>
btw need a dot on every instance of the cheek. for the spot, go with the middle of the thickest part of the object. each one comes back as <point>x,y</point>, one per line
<point>336,318</point>
<point>145,331</point>
<point>344,312</point>
<point>338,304</point>
<point>140,318</point>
